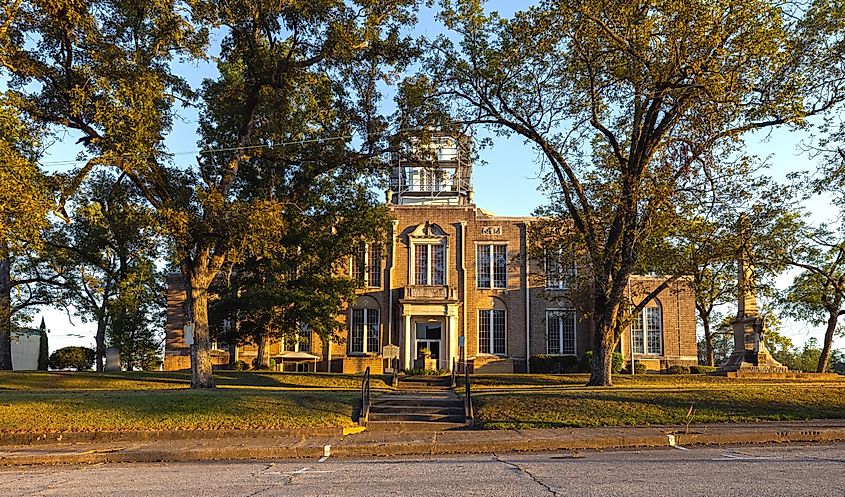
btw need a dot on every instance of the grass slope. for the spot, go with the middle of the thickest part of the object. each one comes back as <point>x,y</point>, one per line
<point>75,402</point>
<point>506,401</point>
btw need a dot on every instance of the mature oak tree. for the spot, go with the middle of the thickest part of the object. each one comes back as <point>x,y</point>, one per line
<point>628,103</point>
<point>24,204</point>
<point>103,69</point>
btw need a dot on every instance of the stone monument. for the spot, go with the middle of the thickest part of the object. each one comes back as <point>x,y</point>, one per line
<point>750,353</point>
<point>112,359</point>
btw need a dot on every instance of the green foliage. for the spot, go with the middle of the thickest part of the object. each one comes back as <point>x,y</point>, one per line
<point>678,369</point>
<point>25,199</point>
<point>296,102</point>
<point>425,372</point>
<point>43,347</point>
<point>616,366</point>
<point>639,368</point>
<point>78,358</point>
<point>633,131</point>
<point>721,340</point>
<point>699,369</point>
<point>110,247</point>
<point>554,364</point>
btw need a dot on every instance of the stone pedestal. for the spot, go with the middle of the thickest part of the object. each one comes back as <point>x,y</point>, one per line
<point>750,352</point>
<point>112,360</point>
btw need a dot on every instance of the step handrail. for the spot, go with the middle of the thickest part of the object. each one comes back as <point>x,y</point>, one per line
<point>365,398</point>
<point>468,412</point>
<point>394,382</point>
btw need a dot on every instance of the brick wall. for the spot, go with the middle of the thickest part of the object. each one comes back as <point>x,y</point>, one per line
<point>678,312</point>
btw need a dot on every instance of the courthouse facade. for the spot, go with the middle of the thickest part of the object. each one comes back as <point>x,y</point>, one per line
<point>454,281</point>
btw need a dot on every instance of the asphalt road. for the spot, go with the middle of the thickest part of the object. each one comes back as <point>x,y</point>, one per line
<point>773,470</point>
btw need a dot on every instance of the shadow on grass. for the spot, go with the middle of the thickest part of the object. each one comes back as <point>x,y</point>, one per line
<point>174,410</point>
<point>138,380</point>
<point>607,407</point>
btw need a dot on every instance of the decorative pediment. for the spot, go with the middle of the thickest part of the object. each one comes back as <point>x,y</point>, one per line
<point>427,230</point>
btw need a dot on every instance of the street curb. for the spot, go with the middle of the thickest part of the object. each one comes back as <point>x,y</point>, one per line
<point>152,436</point>
<point>348,447</point>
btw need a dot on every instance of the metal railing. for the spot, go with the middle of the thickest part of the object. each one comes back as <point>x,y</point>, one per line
<point>394,382</point>
<point>454,373</point>
<point>365,398</point>
<point>468,413</point>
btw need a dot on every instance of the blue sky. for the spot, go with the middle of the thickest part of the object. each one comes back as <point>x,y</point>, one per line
<point>507,184</point>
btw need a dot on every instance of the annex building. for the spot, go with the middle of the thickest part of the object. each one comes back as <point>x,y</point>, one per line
<point>454,281</point>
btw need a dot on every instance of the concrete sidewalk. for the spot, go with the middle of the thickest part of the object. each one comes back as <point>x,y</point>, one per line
<point>264,445</point>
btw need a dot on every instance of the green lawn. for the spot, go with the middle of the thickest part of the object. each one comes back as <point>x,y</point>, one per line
<point>71,380</point>
<point>548,401</point>
<point>77,402</point>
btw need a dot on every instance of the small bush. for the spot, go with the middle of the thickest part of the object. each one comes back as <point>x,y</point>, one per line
<point>639,368</point>
<point>701,369</point>
<point>678,369</point>
<point>425,372</point>
<point>554,364</point>
<point>616,367</point>
<point>78,358</point>
<point>241,365</point>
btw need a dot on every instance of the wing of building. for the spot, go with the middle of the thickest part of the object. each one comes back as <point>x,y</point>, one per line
<point>453,282</point>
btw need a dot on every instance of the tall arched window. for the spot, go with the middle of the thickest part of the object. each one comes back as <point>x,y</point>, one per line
<point>647,330</point>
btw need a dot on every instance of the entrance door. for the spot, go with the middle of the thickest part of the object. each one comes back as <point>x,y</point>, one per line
<point>429,336</point>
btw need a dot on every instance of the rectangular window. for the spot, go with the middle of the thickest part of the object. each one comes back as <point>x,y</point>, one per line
<point>359,265</point>
<point>366,265</point>
<point>374,265</point>
<point>491,332</point>
<point>421,265</point>
<point>299,343</point>
<point>365,331</point>
<point>637,335</point>
<point>559,272</point>
<point>438,261</point>
<point>492,265</point>
<point>560,332</point>
<point>430,264</point>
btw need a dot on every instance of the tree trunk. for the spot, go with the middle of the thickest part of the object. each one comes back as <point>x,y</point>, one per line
<point>602,368</point>
<point>100,340</point>
<point>824,358</point>
<point>708,338</point>
<point>263,356</point>
<point>102,321</point>
<point>5,312</point>
<point>201,362</point>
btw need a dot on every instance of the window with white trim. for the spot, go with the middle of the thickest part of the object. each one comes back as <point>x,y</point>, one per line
<point>364,335</point>
<point>560,332</point>
<point>429,264</point>
<point>647,331</point>
<point>491,331</point>
<point>560,272</point>
<point>492,265</point>
<point>366,265</point>
<point>301,342</point>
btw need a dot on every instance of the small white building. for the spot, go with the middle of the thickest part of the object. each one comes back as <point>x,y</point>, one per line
<point>26,344</point>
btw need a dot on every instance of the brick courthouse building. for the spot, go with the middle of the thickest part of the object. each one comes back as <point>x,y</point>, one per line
<point>454,279</point>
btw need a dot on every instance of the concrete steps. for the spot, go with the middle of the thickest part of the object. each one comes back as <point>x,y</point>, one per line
<point>420,404</point>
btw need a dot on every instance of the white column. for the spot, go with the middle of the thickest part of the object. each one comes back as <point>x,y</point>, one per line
<point>408,339</point>
<point>452,325</point>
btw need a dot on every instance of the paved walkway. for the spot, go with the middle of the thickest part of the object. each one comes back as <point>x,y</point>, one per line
<point>280,445</point>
